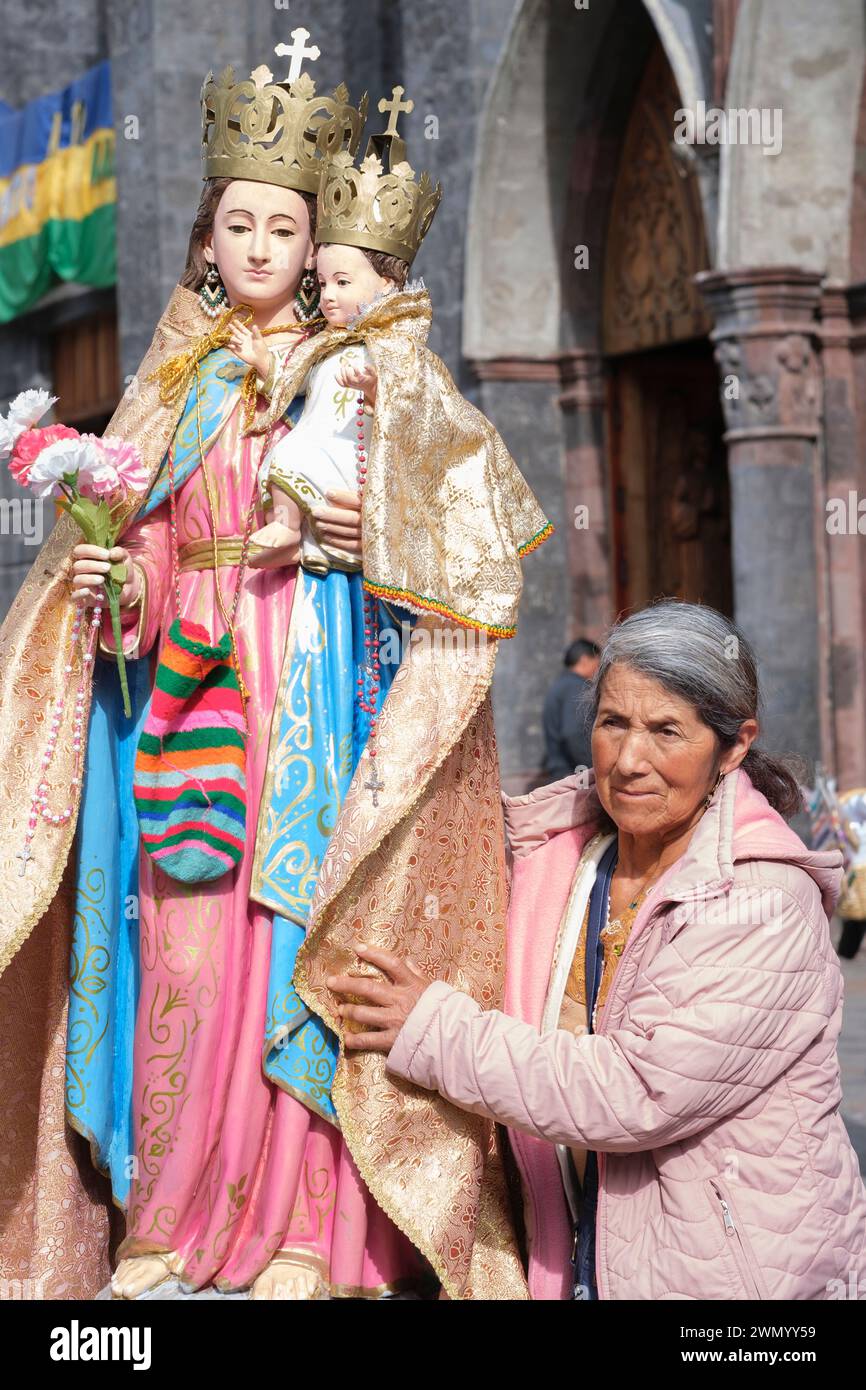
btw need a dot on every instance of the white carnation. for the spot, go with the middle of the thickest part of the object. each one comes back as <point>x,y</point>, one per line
<point>7,438</point>
<point>27,409</point>
<point>63,456</point>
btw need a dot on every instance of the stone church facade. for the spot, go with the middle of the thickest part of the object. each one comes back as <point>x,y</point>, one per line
<point>649,270</point>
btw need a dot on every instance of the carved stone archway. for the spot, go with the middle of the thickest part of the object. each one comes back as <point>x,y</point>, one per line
<point>656,243</point>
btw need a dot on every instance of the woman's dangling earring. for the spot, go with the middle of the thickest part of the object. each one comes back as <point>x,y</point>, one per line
<point>213,292</point>
<point>710,794</point>
<point>307,298</point>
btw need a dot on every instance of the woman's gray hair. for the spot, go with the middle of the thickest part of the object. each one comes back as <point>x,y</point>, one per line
<point>702,656</point>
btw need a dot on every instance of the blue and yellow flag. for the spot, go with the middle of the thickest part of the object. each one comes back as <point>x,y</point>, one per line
<point>57,192</point>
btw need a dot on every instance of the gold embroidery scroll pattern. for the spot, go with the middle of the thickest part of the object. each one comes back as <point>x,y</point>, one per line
<point>88,971</point>
<point>314,1202</point>
<point>181,940</point>
<point>282,851</point>
<point>312,1068</point>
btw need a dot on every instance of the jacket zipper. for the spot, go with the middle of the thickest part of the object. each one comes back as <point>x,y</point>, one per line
<point>732,1231</point>
<point>600,1245</point>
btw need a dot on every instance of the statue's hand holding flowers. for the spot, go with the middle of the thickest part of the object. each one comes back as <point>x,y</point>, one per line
<point>91,479</point>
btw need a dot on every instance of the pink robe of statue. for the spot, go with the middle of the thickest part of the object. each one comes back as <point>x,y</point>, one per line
<point>228,1168</point>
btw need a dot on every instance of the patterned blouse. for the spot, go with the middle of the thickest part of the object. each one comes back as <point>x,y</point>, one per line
<point>614,936</point>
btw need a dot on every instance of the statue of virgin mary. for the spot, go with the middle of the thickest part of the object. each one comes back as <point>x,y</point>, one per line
<point>202,1050</point>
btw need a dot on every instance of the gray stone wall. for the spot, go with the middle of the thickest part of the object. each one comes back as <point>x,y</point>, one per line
<point>530,421</point>
<point>30,69</point>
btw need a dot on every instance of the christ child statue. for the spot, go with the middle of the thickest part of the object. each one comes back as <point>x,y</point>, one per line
<point>320,453</point>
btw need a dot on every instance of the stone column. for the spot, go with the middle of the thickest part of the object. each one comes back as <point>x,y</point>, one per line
<point>844,549</point>
<point>586,510</point>
<point>766,337</point>
<point>160,53</point>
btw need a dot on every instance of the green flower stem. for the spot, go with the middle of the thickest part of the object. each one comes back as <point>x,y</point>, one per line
<point>113,592</point>
<point>99,528</point>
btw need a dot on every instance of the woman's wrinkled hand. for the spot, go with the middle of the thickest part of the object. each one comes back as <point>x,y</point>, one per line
<point>90,565</point>
<point>381,1007</point>
<point>339,525</point>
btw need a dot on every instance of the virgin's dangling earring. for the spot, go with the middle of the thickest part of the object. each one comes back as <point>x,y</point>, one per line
<point>307,298</point>
<point>212,293</point>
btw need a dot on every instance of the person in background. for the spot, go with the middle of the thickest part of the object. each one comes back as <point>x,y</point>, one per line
<point>567,716</point>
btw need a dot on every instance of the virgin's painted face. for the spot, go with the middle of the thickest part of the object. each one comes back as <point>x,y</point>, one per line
<point>261,244</point>
<point>654,757</point>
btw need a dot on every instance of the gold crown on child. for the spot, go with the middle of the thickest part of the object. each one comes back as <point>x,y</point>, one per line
<point>276,132</point>
<point>373,208</point>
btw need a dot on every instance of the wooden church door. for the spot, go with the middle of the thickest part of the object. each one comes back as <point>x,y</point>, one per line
<point>668,469</point>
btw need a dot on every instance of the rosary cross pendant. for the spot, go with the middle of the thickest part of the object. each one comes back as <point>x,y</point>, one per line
<point>375,785</point>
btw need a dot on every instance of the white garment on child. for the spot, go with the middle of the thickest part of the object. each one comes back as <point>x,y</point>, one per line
<point>320,452</point>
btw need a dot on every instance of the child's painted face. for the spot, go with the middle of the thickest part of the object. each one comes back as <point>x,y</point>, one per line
<point>346,281</point>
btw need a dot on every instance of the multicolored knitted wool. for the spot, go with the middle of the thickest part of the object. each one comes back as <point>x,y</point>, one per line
<point>189,783</point>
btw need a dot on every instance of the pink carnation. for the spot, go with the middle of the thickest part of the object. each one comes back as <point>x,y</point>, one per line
<point>30,444</point>
<point>125,459</point>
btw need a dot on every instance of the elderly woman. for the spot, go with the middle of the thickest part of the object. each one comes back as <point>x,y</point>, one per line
<point>666,1061</point>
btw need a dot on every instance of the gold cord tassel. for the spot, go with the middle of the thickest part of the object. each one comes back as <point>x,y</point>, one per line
<point>249,396</point>
<point>175,376</point>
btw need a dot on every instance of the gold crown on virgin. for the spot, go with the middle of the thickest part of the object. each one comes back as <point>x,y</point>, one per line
<point>375,208</point>
<point>276,132</point>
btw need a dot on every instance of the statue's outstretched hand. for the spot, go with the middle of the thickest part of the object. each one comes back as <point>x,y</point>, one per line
<point>360,378</point>
<point>248,342</point>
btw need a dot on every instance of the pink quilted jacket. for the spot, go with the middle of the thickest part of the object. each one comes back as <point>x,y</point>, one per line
<point>711,1088</point>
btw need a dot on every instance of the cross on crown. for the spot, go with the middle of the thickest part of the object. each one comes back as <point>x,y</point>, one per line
<point>297,52</point>
<point>395,107</point>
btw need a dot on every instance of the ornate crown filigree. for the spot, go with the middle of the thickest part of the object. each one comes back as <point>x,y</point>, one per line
<point>374,209</point>
<point>276,132</point>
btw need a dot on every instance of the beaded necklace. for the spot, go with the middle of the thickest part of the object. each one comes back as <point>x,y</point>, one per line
<point>368,690</point>
<point>228,617</point>
<point>614,935</point>
<point>39,803</point>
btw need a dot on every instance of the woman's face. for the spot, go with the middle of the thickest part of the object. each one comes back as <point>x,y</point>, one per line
<point>261,243</point>
<point>655,759</point>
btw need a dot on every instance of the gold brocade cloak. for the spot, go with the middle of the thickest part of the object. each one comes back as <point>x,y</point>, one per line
<point>446,518</point>
<point>447,514</point>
